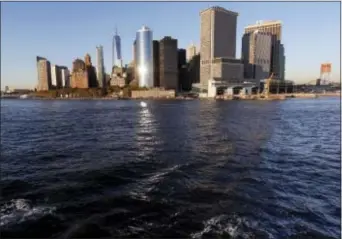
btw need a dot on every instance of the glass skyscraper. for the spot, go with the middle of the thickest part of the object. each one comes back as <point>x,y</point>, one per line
<point>116,57</point>
<point>144,56</point>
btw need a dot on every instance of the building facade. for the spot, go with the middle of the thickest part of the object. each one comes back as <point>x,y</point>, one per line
<point>275,28</point>
<point>144,56</point>
<point>156,65</point>
<point>101,80</point>
<point>44,74</point>
<point>168,60</point>
<point>116,51</point>
<point>56,77</point>
<point>218,38</point>
<point>79,76</point>
<point>65,75</point>
<point>190,52</point>
<point>256,55</point>
<point>282,62</point>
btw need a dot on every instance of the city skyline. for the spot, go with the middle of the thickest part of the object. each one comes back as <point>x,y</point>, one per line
<point>302,60</point>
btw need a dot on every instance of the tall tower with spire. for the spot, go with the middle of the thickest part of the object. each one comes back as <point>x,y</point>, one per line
<point>116,50</point>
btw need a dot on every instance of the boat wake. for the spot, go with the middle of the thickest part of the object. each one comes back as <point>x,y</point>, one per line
<point>17,211</point>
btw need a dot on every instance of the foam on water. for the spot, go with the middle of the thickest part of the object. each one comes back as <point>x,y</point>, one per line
<point>21,210</point>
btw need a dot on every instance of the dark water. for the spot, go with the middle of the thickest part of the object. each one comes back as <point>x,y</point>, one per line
<point>199,169</point>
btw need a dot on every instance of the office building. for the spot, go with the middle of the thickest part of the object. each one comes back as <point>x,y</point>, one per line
<point>275,28</point>
<point>168,60</point>
<point>282,62</point>
<point>116,50</point>
<point>65,75</point>
<point>44,74</point>
<point>144,56</point>
<point>256,55</point>
<point>218,40</point>
<point>83,74</point>
<point>101,81</point>
<point>156,65</point>
<point>91,72</point>
<point>56,77</point>
<point>181,57</point>
<point>190,52</point>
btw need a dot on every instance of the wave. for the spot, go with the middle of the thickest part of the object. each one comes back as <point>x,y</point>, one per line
<point>17,211</point>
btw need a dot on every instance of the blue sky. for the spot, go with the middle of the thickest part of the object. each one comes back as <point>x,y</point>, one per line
<point>62,31</point>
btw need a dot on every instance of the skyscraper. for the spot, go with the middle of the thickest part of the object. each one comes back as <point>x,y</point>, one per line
<point>256,54</point>
<point>181,57</point>
<point>275,28</point>
<point>218,46</point>
<point>44,74</point>
<point>101,81</point>
<point>65,76</point>
<point>190,52</point>
<point>145,57</point>
<point>56,77</point>
<point>116,51</point>
<point>168,60</point>
<point>156,65</point>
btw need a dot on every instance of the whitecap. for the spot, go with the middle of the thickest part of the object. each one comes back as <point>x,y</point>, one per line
<point>17,211</point>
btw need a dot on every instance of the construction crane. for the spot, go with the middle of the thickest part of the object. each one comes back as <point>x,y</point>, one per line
<point>266,90</point>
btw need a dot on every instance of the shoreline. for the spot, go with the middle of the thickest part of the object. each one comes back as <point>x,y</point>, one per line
<point>253,97</point>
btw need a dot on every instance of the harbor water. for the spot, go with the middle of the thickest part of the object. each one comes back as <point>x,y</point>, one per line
<point>190,169</point>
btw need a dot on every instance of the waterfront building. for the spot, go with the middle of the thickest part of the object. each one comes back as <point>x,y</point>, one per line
<point>190,52</point>
<point>65,76</point>
<point>275,28</point>
<point>256,54</point>
<point>56,77</point>
<point>144,55</point>
<point>181,57</point>
<point>168,60</point>
<point>44,74</point>
<point>218,47</point>
<point>91,72</point>
<point>282,62</point>
<point>79,76</point>
<point>135,73</point>
<point>156,64</point>
<point>101,80</point>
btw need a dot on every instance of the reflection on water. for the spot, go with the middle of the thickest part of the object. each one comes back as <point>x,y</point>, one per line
<point>146,136</point>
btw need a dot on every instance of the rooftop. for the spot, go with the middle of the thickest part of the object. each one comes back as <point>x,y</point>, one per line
<point>217,8</point>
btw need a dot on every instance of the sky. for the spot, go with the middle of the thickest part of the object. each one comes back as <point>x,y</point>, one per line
<point>63,31</point>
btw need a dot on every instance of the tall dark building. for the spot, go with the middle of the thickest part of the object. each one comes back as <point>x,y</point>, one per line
<point>156,65</point>
<point>168,60</point>
<point>182,69</point>
<point>181,57</point>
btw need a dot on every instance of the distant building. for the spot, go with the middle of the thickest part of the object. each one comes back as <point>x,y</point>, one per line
<point>65,75</point>
<point>56,77</point>
<point>282,62</point>
<point>117,58</point>
<point>168,60</point>
<point>194,69</point>
<point>181,57</point>
<point>79,76</point>
<point>156,64</point>
<point>144,55</point>
<point>101,80</point>
<point>256,55</point>
<point>218,45</point>
<point>44,74</point>
<point>92,79</point>
<point>190,52</point>
<point>275,29</point>
<point>135,60</point>
<point>119,77</point>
